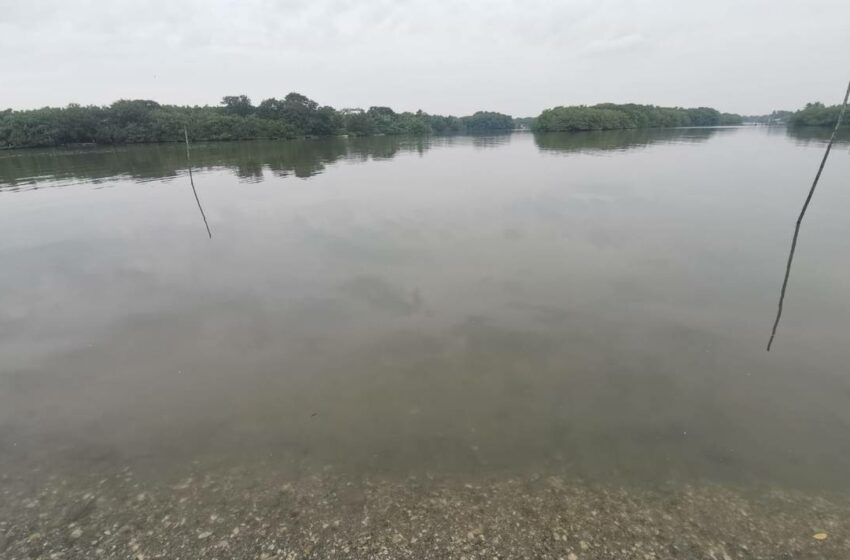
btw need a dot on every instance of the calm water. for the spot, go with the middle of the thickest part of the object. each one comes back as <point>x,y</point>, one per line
<point>596,304</point>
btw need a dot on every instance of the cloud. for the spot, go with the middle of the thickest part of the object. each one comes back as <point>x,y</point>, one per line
<point>615,44</point>
<point>438,55</point>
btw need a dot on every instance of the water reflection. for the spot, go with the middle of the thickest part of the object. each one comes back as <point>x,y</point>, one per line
<point>806,135</point>
<point>485,141</point>
<point>620,140</point>
<point>252,161</point>
<point>249,161</point>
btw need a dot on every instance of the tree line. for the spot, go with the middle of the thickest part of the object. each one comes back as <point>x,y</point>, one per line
<point>133,121</point>
<point>817,114</point>
<point>611,116</point>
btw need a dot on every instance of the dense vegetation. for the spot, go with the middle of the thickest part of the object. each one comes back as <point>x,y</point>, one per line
<point>237,118</point>
<point>610,116</point>
<point>817,114</point>
<point>144,121</point>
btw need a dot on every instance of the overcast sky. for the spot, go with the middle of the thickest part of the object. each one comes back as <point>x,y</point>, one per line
<point>441,56</point>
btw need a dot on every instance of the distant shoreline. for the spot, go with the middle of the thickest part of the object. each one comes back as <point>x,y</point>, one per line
<point>142,121</point>
<point>95,145</point>
<point>139,121</point>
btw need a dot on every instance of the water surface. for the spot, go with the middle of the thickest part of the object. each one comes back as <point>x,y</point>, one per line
<point>594,304</point>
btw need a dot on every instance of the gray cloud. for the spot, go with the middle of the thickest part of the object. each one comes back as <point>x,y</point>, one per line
<point>747,56</point>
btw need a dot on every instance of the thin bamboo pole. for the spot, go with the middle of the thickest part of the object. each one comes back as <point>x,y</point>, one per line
<point>192,181</point>
<point>800,219</point>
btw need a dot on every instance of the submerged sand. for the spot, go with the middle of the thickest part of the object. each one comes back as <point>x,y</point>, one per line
<point>224,513</point>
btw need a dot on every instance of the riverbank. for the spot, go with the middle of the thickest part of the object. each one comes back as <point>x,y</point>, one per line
<point>211,512</point>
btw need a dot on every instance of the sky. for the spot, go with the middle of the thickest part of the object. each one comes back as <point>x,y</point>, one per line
<point>441,56</point>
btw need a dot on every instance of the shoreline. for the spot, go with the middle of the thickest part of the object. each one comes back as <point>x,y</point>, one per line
<point>208,511</point>
<point>503,132</point>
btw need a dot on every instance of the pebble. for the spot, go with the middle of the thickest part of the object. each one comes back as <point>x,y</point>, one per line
<point>427,520</point>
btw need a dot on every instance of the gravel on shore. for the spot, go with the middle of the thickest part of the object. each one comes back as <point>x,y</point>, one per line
<point>237,513</point>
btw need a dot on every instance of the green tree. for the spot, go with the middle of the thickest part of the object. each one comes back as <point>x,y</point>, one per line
<point>817,114</point>
<point>611,116</point>
<point>239,105</point>
<point>482,121</point>
<point>357,122</point>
